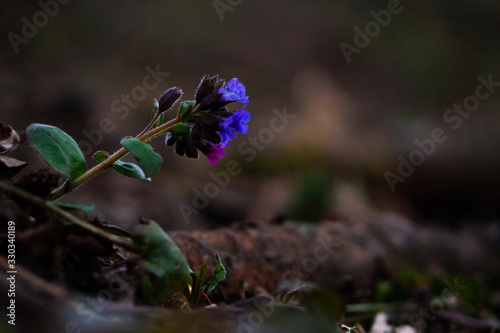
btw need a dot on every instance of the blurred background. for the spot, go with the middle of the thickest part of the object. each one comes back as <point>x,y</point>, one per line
<point>353,110</point>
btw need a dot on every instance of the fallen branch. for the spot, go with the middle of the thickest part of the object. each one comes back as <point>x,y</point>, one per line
<point>341,256</point>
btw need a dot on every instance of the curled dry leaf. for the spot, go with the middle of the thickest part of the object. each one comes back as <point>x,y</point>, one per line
<point>9,139</point>
<point>10,166</point>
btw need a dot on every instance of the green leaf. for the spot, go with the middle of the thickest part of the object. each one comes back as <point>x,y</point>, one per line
<point>169,270</point>
<point>101,156</point>
<point>86,208</point>
<point>200,280</point>
<point>200,284</point>
<point>57,149</point>
<point>130,170</point>
<point>160,121</point>
<point>113,228</point>
<point>154,113</point>
<point>125,168</point>
<point>180,129</point>
<point>149,161</point>
<point>185,109</point>
<point>286,297</point>
<point>218,275</point>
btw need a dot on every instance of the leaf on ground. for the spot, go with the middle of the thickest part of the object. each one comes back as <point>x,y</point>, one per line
<point>168,268</point>
<point>9,139</point>
<point>10,166</point>
<point>218,276</point>
<point>201,284</point>
<point>199,280</point>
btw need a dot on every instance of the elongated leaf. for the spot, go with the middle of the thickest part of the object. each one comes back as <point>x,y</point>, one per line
<point>149,161</point>
<point>125,168</point>
<point>57,149</point>
<point>130,170</point>
<point>200,280</point>
<point>218,275</point>
<point>160,121</point>
<point>112,228</point>
<point>86,208</point>
<point>154,112</point>
<point>169,270</point>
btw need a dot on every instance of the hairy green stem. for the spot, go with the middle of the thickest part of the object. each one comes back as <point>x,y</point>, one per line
<point>126,243</point>
<point>119,154</point>
<point>158,130</point>
<point>151,123</point>
<point>70,186</point>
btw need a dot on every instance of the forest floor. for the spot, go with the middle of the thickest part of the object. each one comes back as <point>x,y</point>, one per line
<point>381,273</point>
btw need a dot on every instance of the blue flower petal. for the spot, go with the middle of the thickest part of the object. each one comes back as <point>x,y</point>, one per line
<point>233,91</point>
<point>236,123</point>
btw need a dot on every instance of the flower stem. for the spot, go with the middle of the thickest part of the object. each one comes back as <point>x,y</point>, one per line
<point>151,123</point>
<point>119,154</point>
<point>70,186</point>
<point>158,130</point>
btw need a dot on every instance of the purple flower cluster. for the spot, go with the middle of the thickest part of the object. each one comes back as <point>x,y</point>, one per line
<point>208,125</point>
<point>236,123</point>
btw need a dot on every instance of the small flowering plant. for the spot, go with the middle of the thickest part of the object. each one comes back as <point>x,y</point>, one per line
<point>204,125</point>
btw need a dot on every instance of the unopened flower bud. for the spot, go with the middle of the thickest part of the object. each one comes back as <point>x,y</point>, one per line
<point>169,98</point>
